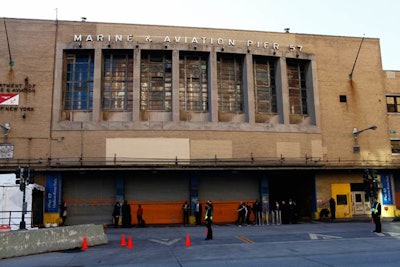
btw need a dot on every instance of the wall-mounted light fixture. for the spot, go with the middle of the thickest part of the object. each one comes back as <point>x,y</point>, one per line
<point>6,128</point>
<point>356,133</point>
<point>108,44</point>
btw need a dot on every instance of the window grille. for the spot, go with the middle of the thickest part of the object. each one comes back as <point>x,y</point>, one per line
<point>156,81</point>
<point>118,81</point>
<point>78,90</point>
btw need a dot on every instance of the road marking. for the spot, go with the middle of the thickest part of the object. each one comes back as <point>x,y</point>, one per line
<point>166,242</point>
<point>318,236</point>
<point>393,234</point>
<point>244,239</point>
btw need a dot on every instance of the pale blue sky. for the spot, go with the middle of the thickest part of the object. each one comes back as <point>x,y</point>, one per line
<point>341,17</point>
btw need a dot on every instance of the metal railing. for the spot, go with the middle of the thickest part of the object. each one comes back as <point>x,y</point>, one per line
<point>13,217</point>
<point>245,162</point>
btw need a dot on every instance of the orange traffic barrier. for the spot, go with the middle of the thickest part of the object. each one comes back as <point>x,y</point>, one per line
<point>130,243</point>
<point>84,244</point>
<point>123,241</point>
<point>188,244</point>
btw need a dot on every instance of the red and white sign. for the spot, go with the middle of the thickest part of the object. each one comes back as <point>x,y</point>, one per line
<point>9,99</point>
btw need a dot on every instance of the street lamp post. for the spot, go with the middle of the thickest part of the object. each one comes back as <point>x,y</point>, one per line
<point>356,133</point>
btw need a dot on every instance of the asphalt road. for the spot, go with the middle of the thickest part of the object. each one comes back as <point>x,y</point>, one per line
<point>304,244</point>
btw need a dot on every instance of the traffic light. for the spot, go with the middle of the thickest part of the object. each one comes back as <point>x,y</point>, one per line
<point>30,175</point>
<point>366,176</point>
<point>371,189</point>
<point>19,174</point>
<point>371,182</point>
<point>24,176</point>
<point>373,174</point>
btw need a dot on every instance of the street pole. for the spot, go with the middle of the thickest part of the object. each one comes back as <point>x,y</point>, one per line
<point>22,224</point>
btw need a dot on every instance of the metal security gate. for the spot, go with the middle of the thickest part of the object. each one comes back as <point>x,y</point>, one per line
<point>90,198</point>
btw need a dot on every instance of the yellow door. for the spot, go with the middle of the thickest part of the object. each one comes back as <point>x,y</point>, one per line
<point>341,193</point>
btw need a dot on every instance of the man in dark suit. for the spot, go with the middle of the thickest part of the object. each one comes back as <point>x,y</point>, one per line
<point>197,212</point>
<point>376,215</point>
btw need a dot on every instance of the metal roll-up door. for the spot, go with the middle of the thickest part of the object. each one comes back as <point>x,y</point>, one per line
<point>90,198</point>
<point>228,188</point>
<point>157,187</point>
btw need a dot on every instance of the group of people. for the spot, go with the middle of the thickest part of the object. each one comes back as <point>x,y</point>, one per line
<point>244,211</point>
<point>124,212</point>
<point>280,213</point>
<point>283,212</point>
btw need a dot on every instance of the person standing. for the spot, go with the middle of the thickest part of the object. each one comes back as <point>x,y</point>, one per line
<point>241,214</point>
<point>185,209</point>
<point>332,206</point>
<point>248,213</point>
<point>285,214</point>
<point>266,211</point>
<point>208,221</point>
<point>276,213</point>
<point>63,213</point>
<point>139,216</point>
<point>292,207</point>
<point>126,214</point>
<point>116,213</point>
<point>197,212</point>
<point>257,212</point>
<point>376,215</point>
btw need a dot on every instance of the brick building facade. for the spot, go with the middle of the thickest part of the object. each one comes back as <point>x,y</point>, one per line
<point>159,115</point>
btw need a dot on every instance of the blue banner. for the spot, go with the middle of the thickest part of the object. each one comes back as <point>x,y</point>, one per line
<point>387,193</point>
<point>53,192</point>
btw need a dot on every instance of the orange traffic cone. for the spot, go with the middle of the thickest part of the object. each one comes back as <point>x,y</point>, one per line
<point>123,242</point>
<point>130,243</point>
<point>84,244</point>
<point>188,240</point>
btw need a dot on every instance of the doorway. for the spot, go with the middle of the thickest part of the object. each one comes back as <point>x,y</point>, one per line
<point>361,203</point>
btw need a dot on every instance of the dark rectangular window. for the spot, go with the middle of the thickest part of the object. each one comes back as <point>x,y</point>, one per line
<point>393,103</point>
<point>156,81</point>
<point>230,83</point>
<point>78,88</point>
<point>297,87</point>
<point>193,82</point>
<point>118,81</point>
<point>395,144</point>
<point>264,85</point>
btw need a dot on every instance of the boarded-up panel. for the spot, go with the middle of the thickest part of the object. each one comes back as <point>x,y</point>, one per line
<point>208,149</point>
<point>316,149</point>
<point>288,149</point>
<point>148,148</point>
